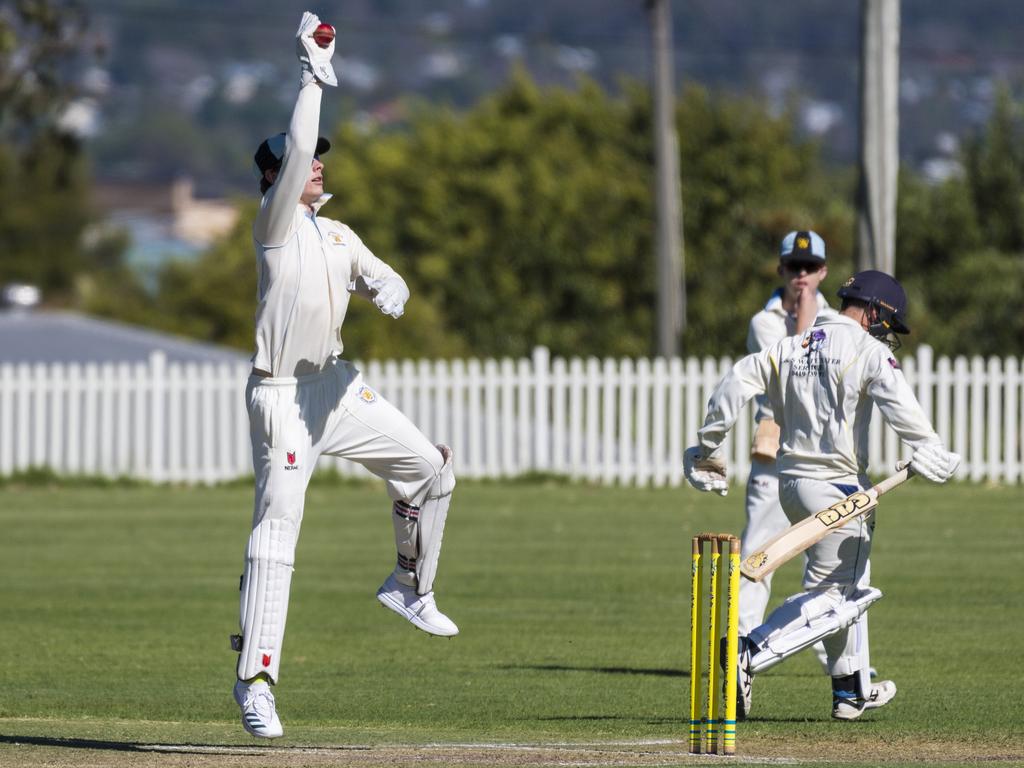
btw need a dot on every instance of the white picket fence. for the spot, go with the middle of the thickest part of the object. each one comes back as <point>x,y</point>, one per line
<point>609,421</point>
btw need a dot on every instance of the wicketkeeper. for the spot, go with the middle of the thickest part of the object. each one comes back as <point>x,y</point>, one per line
<point>822,385</point>
<point>304,401</point>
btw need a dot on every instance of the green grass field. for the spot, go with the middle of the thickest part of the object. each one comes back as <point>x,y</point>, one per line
<point>573,602</point>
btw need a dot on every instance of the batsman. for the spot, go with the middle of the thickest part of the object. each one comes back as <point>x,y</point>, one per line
<point>305,401</point>
<point>822,385</point>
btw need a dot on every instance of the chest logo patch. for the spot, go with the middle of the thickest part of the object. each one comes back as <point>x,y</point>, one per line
<point>367,395</point>
<point>335,238</point>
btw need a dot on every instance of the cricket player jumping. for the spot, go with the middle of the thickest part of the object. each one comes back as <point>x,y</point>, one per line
<point>304,401</point>
<point>822,385</point>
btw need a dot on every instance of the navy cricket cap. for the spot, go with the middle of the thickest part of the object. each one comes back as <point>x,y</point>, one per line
<point>803,245</point>
<point>880,290</point>
<point>270,153</point>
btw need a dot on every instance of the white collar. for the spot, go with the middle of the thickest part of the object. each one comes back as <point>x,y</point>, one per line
<point>317,204</point>
<point>838,318</point>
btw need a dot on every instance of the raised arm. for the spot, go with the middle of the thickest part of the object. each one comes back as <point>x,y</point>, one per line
<point>277,212</point>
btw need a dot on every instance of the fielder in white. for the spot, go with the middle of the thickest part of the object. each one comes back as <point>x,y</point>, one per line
<point>790,310</point>
<point>305,401</point>
<point>822,385</point>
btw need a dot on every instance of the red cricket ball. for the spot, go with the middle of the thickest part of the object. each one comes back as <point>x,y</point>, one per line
<point>323,35</point>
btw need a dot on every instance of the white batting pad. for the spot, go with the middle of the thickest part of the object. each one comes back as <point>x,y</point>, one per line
<point>430,531</point>
<point>805,619</point>
<point>264,601</point>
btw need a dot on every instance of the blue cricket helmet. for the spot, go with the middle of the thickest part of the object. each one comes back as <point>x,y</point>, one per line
<point>885,294</point>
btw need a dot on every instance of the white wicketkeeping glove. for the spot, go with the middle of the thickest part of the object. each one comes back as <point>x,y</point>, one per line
<point>391,294</point>
<point>315,61</point>
<point>935,463</point>
<point>705,471</point>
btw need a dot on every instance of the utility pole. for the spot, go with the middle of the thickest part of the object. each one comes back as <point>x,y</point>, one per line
<point>671,290</point>
<point>879,135</point>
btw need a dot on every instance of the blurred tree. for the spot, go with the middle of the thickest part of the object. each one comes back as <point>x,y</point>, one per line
<point>994,163</point>
<point>44,183</point>
<point>529,220</point>
<point>747,181</point>
<point>526,220</point>
<point>961,245</point>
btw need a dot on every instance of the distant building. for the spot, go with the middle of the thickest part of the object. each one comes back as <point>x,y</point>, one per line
<point>37,336</point>
<point>165,221</point>
<point>196,221</point>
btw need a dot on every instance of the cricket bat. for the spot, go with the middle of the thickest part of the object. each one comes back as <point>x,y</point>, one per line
<point>797,538</point>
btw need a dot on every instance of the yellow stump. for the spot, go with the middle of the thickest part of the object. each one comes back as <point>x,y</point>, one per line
<point>713,726</point>
<point>711,738</point>
<point>696,614</point>
<point>732,629</point>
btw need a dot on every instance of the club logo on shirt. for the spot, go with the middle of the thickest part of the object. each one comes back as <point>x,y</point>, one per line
<point>336,238</point>
<point>894,363</point>
<point>366,394</point>
<point>812,362</point>
<point>813,340</point>
<point>290,456</point>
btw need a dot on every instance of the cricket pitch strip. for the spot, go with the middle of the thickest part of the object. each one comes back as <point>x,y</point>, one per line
<point>33,751</point>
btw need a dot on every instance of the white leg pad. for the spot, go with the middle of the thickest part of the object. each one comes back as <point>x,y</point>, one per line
<point>430,530</point>
<point>804,619</point>
<point>265,585</point>
<point>864,654</point>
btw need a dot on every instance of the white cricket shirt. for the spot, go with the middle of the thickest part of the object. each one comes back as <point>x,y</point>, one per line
<point>821,386</point>
<point>306,263</point>
<point>769,326</point>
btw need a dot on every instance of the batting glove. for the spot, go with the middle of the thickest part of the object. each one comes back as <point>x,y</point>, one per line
<point>315,61</point>
<point>391,295</point>
<point>705,470</point>
<point>935,463</point>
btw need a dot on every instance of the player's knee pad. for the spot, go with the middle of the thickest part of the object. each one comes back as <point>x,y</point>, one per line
<point>269,562</point>
<point>805,619</point>
<point>419,530</point>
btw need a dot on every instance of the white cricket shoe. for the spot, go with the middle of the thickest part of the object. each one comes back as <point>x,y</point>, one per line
<point>744,680</point>
<point>421,610</point>
<point>852,708</point>
<point>259,713</point>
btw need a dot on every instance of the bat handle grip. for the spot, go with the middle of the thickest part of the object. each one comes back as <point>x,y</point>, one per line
<point>903,473</point>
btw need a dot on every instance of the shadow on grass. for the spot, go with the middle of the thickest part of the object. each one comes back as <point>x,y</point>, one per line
<point>603,670</point>
<point>179,749</point>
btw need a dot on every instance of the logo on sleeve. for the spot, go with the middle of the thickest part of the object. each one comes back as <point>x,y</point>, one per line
<point>290,456</point>
<point>366,394</point>
<point>894,363</point>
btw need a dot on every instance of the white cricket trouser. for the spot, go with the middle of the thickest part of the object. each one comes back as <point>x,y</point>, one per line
<point>292,422</point>
<point>839,560</point>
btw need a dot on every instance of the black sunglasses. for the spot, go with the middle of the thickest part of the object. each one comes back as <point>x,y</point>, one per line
<point>810,267</point>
